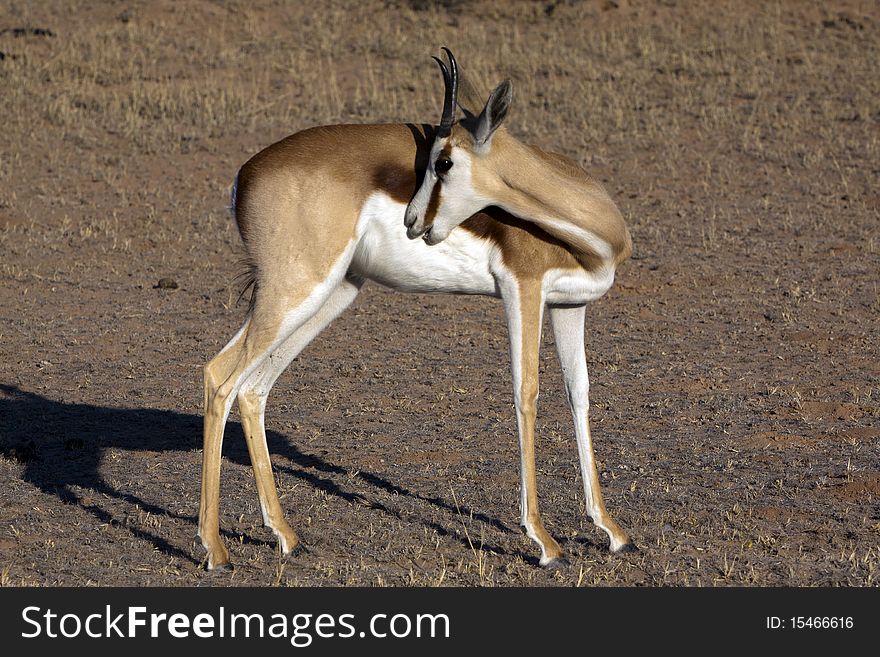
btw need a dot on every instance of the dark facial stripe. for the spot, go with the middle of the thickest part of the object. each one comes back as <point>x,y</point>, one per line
<point>434,201</point>
<point>433,204</point>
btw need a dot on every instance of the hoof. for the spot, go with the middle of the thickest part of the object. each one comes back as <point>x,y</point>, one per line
<point>298,551</point>
<point>222,568</point>
<point>559,563</point>
<point>199,548</point>
<point>626,547</point>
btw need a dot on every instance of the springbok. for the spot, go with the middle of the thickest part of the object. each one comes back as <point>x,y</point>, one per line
<point>327,208</point>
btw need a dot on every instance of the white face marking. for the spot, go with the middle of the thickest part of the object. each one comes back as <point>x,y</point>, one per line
<point>458,198</point>
<point>418,206</point>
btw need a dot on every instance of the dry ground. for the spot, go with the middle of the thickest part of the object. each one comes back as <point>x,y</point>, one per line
<point>734,364</point>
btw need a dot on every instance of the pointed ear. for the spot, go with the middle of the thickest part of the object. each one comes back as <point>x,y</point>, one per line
<point>494,112</point>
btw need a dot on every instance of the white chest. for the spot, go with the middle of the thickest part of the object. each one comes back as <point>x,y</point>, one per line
<point>459,264</point>
<point>462,263</point>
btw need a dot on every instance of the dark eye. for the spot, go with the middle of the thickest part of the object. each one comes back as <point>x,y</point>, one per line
<point>442,165</point>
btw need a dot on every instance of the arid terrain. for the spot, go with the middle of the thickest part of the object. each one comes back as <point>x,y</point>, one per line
<point>734,365</point>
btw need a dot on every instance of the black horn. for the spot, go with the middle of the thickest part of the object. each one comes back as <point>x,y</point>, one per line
<point>450,79</point>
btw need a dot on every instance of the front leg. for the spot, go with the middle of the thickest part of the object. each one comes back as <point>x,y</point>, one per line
<point>524,306</point>
<point>568,329</point>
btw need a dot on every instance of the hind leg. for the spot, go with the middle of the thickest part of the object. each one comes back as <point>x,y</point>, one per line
<point>216,409</point>
<point>275,317</point>
<point>252,403</point>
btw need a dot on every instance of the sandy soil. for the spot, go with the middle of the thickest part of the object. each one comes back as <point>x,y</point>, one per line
<point>734,365</point>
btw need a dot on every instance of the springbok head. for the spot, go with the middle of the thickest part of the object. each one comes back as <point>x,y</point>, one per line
<point>460,161</point>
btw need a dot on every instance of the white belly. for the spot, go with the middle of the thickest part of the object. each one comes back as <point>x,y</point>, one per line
<point>459,264</point>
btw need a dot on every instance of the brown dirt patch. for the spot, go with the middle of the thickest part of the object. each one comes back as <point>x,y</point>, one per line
<point>863,486</point>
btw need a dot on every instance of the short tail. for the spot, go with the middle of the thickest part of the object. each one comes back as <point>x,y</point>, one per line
<point>247,277</point>
<point>233,194</point>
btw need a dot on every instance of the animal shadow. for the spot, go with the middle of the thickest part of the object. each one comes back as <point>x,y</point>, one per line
<point>61,446</point>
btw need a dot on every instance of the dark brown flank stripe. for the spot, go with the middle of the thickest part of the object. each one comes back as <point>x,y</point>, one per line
<point>526,249</point>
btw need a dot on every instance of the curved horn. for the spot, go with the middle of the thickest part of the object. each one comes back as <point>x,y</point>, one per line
<point>450,79</point>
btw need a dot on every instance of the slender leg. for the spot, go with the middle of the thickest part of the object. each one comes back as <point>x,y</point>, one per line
<point>524,305</point>
<point>275,317</point>
<point>216,409</point>
<point>568,329</point>
<point>252,404</point>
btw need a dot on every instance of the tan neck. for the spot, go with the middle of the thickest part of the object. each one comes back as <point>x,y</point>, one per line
<point>559,196</point>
